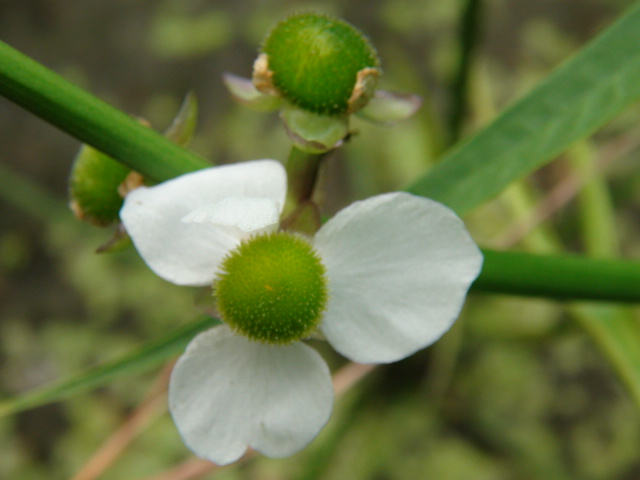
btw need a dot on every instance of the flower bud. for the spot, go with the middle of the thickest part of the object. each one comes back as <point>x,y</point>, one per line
<point>318,63</point>
<point>93,186</point>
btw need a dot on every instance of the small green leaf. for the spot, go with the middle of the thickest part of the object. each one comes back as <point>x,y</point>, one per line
<point>579,97</point>
<point>145,358</point>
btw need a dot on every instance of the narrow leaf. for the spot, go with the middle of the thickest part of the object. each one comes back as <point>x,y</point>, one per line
<point>579,97</point>
<point>145,358</point>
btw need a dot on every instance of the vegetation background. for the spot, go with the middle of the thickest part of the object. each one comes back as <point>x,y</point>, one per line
<point>516,390</point>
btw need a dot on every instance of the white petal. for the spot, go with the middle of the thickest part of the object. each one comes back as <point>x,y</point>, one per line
<point>189,253</point>
<point>399,268</point>
<point>249,215</point>
<point>227,394</point>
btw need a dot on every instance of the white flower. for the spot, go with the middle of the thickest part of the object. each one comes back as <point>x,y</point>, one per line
<point>398,269</point>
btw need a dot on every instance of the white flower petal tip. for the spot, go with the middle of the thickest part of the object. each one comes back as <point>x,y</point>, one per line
<point>399,269</point>
<point>188,253</point>
<point>228,394</point>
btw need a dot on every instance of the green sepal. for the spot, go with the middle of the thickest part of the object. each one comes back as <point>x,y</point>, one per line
<point>314,133</point>
<point>244,92</point>
<point>119,240</point>
<point>184,124</point>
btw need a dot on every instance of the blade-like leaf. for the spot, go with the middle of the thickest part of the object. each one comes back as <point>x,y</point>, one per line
<point>579,97</point>
<point>148,356</point>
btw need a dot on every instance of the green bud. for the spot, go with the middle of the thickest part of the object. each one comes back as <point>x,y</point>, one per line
<point>272,289</point>
<point>318,63</point>
<point>93,186</point>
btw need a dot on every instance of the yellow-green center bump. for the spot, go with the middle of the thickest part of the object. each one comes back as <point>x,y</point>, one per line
<point>272,289</point>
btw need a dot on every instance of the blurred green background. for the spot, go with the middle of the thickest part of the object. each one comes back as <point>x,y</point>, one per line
<point>515,391</point>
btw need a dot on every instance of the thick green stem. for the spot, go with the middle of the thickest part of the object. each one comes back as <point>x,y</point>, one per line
<point>559,277</point>
<point>90,120</point>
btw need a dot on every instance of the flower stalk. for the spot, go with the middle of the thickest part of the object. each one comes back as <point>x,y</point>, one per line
<point>561,277</point>
<point>301,212</point>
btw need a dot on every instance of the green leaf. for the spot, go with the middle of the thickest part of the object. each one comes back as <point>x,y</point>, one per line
<point>145,358</point>
<point>579,97</point>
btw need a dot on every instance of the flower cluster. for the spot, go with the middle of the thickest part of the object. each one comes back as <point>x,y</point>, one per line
<point>382,279</point>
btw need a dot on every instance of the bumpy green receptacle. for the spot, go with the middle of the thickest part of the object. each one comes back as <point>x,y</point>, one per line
<point>315,61</point>
<point>273,289</point>
<point>93,186</point>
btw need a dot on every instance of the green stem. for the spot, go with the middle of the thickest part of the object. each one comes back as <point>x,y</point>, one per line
<point>90,120</point>
<point>301,212</point>
<point>559,276</point>
<point>302,175</point>
<point>468,33</point>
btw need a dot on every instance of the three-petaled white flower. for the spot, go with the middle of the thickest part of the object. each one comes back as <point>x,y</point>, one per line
<point>398,268</point>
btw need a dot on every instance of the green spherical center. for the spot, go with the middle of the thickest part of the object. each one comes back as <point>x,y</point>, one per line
<point>315,61</point>
<point>272,289</point>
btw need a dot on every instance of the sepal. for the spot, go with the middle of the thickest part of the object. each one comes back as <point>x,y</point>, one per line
<point>390,107</point>
<point>312,132</point>
<point>184,124</point>
<point>243,91</point>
